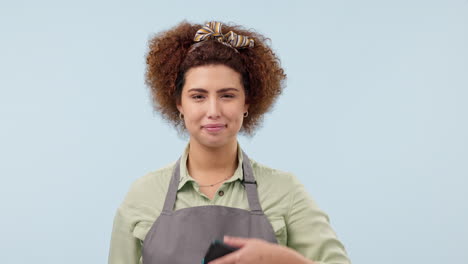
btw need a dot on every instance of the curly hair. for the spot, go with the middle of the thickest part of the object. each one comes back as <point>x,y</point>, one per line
<point>172,53</point>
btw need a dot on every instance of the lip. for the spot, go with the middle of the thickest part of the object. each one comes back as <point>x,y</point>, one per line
<point>214,127</point>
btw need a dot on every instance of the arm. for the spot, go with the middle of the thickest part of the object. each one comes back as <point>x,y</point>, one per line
<point>124,247</point>
<point>309,230</point>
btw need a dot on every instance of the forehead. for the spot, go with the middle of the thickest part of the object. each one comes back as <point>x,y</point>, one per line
<point>212,77</point>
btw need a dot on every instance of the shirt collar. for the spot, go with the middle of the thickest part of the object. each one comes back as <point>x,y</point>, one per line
<point>185,176</point>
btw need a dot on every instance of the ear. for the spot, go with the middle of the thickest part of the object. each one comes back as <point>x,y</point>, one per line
<point>246,107</point>
<point>179,107</point>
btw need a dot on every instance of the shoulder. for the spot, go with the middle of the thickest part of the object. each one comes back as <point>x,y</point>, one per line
<point>281,183</point>
<point>266,175</point>
<point>156,176</point>
<point>278,191</point>
<point>277,188</point>
<point>150,187</point>
<point>144,201</point>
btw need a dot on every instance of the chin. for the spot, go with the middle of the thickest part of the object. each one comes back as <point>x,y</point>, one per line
<point>215,142</point>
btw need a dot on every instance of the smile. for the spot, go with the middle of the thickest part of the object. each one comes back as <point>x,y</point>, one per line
<point>214,128</point>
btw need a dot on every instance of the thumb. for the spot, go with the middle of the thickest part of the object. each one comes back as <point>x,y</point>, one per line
<point>235,241</point>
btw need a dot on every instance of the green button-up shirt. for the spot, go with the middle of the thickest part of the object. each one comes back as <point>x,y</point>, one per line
<point>296,219</point>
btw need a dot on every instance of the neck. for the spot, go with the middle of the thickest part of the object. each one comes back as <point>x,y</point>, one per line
<point>208,165</point>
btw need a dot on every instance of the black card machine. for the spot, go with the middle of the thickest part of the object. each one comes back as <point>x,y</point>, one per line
<point>216,250</point>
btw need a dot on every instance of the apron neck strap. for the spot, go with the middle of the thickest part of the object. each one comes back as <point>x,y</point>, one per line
<point>172,190</point>
<point>250,184</point>
<point>248,181</point>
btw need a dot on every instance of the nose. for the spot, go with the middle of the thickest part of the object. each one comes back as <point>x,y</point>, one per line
<point>213,108</point>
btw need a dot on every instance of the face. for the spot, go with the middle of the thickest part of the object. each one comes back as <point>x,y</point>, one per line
<point>213,104</point>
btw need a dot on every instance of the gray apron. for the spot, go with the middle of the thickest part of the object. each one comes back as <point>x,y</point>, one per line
<point>183,236</point>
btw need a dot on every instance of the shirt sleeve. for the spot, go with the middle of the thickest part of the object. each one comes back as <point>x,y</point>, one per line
<point>309,230</point>
<point>124,247</point>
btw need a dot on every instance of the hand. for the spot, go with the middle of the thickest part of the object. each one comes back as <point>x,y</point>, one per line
<point>252,250</point>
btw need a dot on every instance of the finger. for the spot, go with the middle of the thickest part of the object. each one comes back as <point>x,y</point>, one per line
<point>230,258</point>
<point>236,241</point>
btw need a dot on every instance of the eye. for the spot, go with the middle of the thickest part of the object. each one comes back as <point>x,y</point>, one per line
<point>228,95</point>
<point>197,97</point>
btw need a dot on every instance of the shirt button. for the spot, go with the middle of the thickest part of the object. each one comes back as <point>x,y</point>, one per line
<point>220,193</point>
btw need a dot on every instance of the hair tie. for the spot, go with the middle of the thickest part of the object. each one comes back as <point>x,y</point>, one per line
<point>212,30</point>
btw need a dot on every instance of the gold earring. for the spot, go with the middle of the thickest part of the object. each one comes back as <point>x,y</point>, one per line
<point>246,114</point>
<point>181,116</point>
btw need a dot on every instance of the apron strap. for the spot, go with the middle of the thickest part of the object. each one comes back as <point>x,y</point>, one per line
<point>248,181</point>
<point>250,185</point>
<point>172,190</point>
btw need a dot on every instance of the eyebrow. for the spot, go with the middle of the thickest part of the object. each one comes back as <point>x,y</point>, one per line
<point>201,90</point>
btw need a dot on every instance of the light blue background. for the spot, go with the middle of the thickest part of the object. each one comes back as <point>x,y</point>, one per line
<point>373,120</point>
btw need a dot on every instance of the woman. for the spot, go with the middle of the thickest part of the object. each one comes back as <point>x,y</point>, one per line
<point>214,82</point>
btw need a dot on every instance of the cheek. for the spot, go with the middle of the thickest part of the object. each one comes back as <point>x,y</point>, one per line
<point>193,116</point>
<point>236,115</point>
